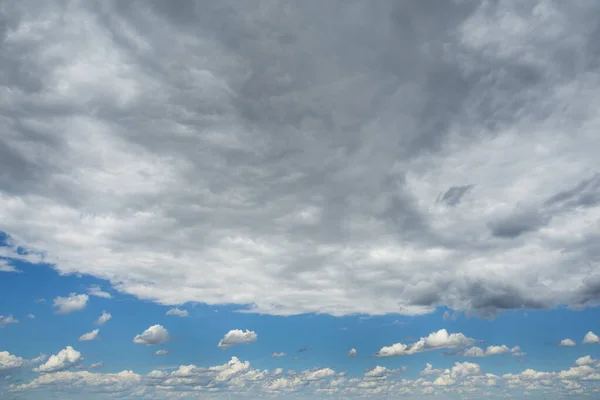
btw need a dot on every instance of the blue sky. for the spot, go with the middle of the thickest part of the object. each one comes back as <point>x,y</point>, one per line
<point>339,199</point>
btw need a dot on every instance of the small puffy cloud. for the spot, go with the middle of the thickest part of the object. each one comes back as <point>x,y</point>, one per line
<point>99,364</point>
<point>6,267</point>
<point>352,353</point>
<point>154,335</point>
<point>586,360</point>
<point>65,358</point>
<point>429,370</point>
<point>9,361</point>
<point>73,302</point>
<point>161,352</point>
<point>93,335</point>
<point>489,351</point>
<point>237,336</point>
<point>177,312</point>
<point>30,316</point>
<point>9,319</point>
<point>102,319</point>
<point>97,291</point>
<point>436,340</point>
<point>591,337</point>
<point>376,372</point>
<point>278,355</point>
<point>567,342</point>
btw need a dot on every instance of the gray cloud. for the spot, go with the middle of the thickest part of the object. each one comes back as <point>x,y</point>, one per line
<point>300,148</point>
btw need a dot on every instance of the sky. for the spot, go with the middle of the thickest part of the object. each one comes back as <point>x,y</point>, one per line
<point>299,199</point>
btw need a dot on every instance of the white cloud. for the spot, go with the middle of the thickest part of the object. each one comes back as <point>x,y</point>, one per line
<point>436,340</point>
<point>104,318</point>
<point>178,312</point>
<point>73,302</point>
<point>97,291</point>
<point>9,361</point>
<point>489,351</point>
<point>377,372</point>
<point>586,360</point>
<point>93,335</point>
<point>429,370</point>
<point>7,320</point>
<point>180,191</point>
<point>352,353</point>
<point>6,267</point>
<point>66,358</point>
<point>237,336</point>
<point>161,352</point>
<point>567,342</point>
<point>154,335</point>
<point>590,337</point>
<point>278,355</point>
<point>30,316</point>
<point>99,364</point>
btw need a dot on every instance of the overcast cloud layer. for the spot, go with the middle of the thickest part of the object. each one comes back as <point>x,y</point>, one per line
<point>335,157</point>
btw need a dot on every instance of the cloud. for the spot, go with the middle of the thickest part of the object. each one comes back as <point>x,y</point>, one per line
<point>95,290</point>
<point>429,370</point>
<point>99,364</point>
<point>6,267</point>
<point>586,360</point>
<point>7,320</point>
<point>66,358</point>
<point>590,337</point>
<point>93,335</point>
<point>178,312</point>
<point>73,302</point>
<point>436,340</point>
<point>161,352</point>
<point>237,336</point>
<point>567,342</point>
<point>278,355</point>
<point>308,145</point>
<point>9,361</point>
<point>30,316</point>
<point>352,353</point>
<point>489,351</point>
<point>156,334</point>
<point>104,318</point>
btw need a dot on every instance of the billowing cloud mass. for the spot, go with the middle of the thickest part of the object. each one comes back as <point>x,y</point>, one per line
<point>178,312</point>
<point>436,340</point>
<point>591,337</point>
<point>7,320</point>
<point>567,342</point>
<point>73,302</point>
<point>93,335</point>
<point>66,358</point>
<point>404,156</point>
<point>156,334</point>
<point>352,353</point>
<point>9,361</point>
<point>237,336</point>
<point>104,318</point>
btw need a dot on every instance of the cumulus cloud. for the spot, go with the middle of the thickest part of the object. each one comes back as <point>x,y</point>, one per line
<point>590,337</point>
<point>586,360</point>
<point>7,320</point>
<point>156,334</point>
<point>308,144</point>
<point>104,318</point>
<point>9,361</point>
<point>6,267</point>
<point>352,353</point>
<point>178,312</point>
<point>97,291</point>
<point>278,355</point>
<point>93,335</point>
<point>489,351</point>
<point>66,358</point>
<point>99,364</point>
<point>70,303</point>
<point>567,342</point>
<point>161,352</point>
<point>436,340</point>
<point>237,336</point>
<point>30,316</point>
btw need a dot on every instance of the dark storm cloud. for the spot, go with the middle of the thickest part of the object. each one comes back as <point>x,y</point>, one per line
<point>287,157</point>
